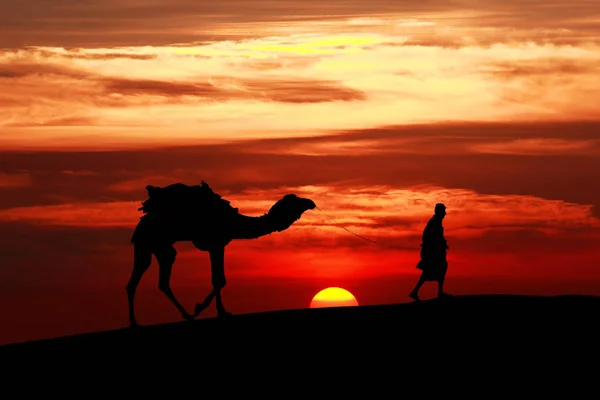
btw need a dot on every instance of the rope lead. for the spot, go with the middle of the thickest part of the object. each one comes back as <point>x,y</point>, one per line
<point>356,234</point>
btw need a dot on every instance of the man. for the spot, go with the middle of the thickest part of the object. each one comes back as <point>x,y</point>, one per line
<point>433,254</point>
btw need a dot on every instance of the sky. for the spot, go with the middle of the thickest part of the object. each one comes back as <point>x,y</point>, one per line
<point>375,110</point>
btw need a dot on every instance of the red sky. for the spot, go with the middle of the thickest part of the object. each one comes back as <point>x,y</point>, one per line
<point>375,110</point>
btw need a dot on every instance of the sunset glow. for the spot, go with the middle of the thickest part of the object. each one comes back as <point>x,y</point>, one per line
<point>375,110</point>
<point>333,297</point>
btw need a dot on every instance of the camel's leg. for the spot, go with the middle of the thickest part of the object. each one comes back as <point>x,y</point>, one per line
<point>220,308</point>
<point>217,266</point>
<point>165,255</point>
<point>142,258</point>
<point>217,256</point>
<point>204,305</point>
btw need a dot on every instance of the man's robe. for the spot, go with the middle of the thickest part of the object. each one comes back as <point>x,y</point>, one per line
<point>433,251</point>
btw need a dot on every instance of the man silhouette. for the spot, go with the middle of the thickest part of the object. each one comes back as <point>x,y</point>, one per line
<point>433,254</point>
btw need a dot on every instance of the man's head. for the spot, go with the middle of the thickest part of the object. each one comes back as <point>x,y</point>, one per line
<point>440,210</point>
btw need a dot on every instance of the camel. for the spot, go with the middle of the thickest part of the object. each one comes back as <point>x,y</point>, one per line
<point>210,224</point>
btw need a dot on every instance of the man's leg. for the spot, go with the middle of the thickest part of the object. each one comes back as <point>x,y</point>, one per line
<point>441,292</point>
<point>415,292</point>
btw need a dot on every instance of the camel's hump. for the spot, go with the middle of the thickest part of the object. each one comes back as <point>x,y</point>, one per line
<point>183,198</point>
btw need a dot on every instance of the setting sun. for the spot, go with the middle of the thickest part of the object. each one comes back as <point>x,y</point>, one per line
<point>333,297</point>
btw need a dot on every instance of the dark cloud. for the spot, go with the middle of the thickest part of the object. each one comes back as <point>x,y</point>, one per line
<point>438,155</point>
<point>528,238</point>
<point>19,69</point>
<point>22,239</point>
<point>551,67</point>
<point>76,54</point>
<point>136,87</point>
<point>99,23</point>
<point>540,80</point>
<point>281,90</point>
<point>542,13</point>
<point>303,91</point>
<point>81,88</point>
<point>14,180</point>
<point>59,121</point>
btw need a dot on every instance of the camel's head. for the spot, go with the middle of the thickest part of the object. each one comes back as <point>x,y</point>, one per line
<point>288,210</point>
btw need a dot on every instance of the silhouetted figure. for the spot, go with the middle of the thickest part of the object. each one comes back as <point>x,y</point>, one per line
<point>196,214</point>
<point>433,254</point>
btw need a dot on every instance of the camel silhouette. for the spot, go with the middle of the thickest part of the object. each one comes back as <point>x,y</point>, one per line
<point>196,214</point>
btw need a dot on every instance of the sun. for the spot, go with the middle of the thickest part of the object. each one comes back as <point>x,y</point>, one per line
<point>333,297</point>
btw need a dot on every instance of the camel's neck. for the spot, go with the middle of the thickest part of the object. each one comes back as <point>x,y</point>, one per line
<point>252,227</point>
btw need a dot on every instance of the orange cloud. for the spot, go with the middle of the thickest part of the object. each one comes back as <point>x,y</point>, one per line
<point>81,54</point>
<point>542,67</point>
<point>540,146</point>
<point>378,212</point>
<point>278,90</point>
<point>477,156</point>
<point>98,215</point>
<point>493,158</point>
<point>346,73</point>
<point>13,68</point>
<point>79,172</point>
<point>184,21</point>
<point>15,180</point>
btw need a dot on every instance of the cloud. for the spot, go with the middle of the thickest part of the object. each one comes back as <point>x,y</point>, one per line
<point>492,158</point>
<point>537,146</point>
<point>80,172</point>
<point>15,180</point>
<point>81,215</point>
<point>91,54</point>
<point>279,89</point>
<point>76,120</point>
<point>11,69</point>
<point>49,93</point>
<point>215,88</point>
<point>449,138</point>
<point>542,67</point>
<point>376,212</point>
<point>26,241</point>
<point>266,87</point>
<point>101,23</point>
<point>298,91</point>
<point>136,185</point>
<point>130,87</point>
